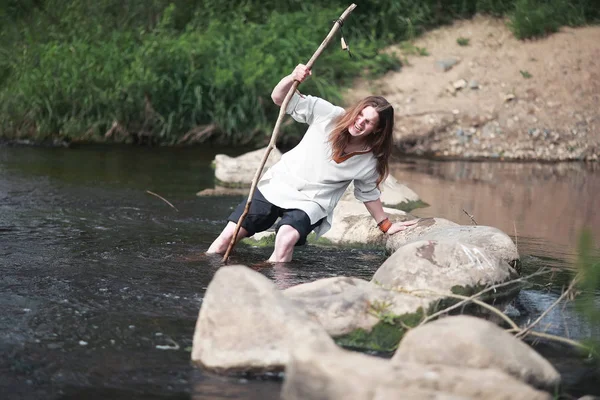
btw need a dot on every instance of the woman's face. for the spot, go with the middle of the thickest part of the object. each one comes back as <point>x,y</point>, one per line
<point>365,123</point>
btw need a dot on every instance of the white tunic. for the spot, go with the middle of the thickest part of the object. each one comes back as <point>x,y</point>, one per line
<point>307,178</point>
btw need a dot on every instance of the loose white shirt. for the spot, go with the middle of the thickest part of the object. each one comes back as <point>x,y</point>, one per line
<point>307,177</point>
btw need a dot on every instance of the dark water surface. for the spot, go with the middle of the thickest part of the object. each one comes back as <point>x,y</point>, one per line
<point>101,282</point>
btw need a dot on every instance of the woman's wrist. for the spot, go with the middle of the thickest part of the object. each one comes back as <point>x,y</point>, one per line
<point>384,225</point>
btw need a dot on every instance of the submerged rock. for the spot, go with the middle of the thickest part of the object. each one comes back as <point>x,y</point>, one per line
<point>333,374</point>
<point>239,171</point>
<point>246,325</point>
<point>464,341</point>
<point>441,266</point>
<point>223,191</point>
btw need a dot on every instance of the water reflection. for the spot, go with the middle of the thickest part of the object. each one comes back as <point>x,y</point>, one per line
<point>544,206</point>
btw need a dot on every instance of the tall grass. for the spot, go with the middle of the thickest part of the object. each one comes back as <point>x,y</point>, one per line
<point>160,69</point>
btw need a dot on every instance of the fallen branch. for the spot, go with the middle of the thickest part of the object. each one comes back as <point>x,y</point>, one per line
<point>282,110</point>
<point>489,307</point>
<point>553,338</point>
<point>514,328</point>
<point>479,294</point>
<point>162,198</point>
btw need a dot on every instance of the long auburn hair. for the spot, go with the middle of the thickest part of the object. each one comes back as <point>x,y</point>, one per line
<point>380,141</point>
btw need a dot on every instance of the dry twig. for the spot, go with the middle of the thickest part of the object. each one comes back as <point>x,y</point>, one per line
<point>470,216</point>
<point>163,199</point>
<point>479,294</point>
<point>514,328</point>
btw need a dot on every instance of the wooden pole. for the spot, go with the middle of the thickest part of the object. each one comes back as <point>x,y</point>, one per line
<point>275,133</point>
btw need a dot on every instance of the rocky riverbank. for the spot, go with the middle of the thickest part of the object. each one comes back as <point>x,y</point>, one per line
<point>472,90</point>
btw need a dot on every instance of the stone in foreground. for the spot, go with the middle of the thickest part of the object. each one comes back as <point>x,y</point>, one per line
<point>246,325</point>
<point>464,341</point>
<point>336,374</point>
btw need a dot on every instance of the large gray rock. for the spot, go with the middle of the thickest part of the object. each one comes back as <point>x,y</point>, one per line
<point>492,240</point>
<point>336,374</point>
<point>393,193</point>
<point>440,266</point>
<point>464,341</point>
<point>423,227</point>
<point>246,324</point>
<point>239,171</point>
<point>342,305</point>
<point>352,224</point>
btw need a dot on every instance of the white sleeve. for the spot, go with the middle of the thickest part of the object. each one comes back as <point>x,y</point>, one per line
<point>307,109</point>
<point>366,189</point>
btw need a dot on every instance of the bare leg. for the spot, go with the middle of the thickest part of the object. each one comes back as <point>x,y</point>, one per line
<point>222,241</point>
<point>286,239</point>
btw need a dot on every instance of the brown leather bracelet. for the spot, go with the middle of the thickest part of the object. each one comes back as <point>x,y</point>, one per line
<point>384,225</point>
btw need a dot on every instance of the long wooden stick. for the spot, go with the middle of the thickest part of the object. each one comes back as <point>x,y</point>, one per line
<point>275,133</point>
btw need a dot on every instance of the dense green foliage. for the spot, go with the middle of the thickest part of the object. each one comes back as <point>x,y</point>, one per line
<point>163,71</point>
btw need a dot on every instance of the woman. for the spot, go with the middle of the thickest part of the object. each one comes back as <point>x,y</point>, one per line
<point>303,188</point>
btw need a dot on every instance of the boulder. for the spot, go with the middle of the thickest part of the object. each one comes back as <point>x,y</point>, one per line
<point>393,194</point>
<point>441,266</point>
<point>339,374</point>
<point>465,341</point>
<point>342,305</point>
<point>353,224</point>
<point>492,240</point>
<point>416,232</point>
<point>239,171</point>
<point>246,325</point>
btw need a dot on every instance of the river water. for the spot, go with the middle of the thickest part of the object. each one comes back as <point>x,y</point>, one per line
<point>101,282</point>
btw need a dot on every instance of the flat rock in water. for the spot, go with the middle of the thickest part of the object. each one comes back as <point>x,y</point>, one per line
<point>222,191</point>
<point>246,325</point>
<point>464,341</point>
<point>239,171</point>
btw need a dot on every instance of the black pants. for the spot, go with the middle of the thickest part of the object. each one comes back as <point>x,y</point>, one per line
<point>262,215</point>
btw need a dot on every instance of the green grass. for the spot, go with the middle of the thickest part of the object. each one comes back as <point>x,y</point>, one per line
<point>153,71</point>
